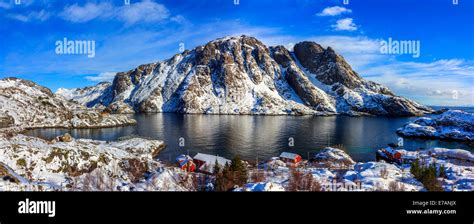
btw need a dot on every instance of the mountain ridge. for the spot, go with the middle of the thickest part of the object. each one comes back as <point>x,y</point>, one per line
<point>25,104</point>
<point>241,75</point>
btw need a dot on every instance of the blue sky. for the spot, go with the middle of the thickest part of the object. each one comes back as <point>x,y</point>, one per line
<point>147,31</point>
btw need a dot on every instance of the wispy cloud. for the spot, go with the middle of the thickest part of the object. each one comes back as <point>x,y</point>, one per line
<point>40,16</point>
<point>145,11</point>
<point>104,76</point>
<point>79,14</point>
<point>5,5</point>
<point>334,11</point>
<point>442,82</point>
<point>345,24</point>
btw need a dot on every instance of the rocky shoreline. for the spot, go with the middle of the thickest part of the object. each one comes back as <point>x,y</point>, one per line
<point>64,163</point>
<point>454,125</point>
<point>68,164</point>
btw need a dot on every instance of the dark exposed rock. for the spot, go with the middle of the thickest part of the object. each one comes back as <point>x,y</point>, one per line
<point>240,75</point>
<point>309,54</point>
<point>6,121</point>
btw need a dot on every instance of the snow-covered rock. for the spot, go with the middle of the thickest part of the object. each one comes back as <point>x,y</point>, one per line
<point>94,96</point>
<point>334,170</point>
<point>457,163</point>
<point>54,161</point>
<point>334,157</point>
<point>25,104</point>
<point>240,75</point>
<point>459,154</point>
<point>261,186</point>
<point>382,177</point>
<point>29,163</point>
<point>452,124</point>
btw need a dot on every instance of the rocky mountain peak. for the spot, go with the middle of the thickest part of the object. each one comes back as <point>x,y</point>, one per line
<point>241,75</point>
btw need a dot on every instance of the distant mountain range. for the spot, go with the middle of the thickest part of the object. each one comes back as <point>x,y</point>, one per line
<point>240,75</point>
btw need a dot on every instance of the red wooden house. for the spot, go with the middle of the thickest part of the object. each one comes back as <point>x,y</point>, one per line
<point>290,157</point>
<point>186,163</point>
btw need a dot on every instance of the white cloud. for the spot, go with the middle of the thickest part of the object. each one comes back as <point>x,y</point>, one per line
<point>145,11</point>
<point>102,77</point>
<point>448,82</point>
<point>89,11</point>
<point>4,5</point>
<point>345,24</point>
<point>32,16</point>
<point>441,82</point>
<point>334,11</point>
<point>359,51</point>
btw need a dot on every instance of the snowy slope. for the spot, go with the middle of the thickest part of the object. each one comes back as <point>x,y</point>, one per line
<point>452,124</point>
<point>82,164</point>
<point>25,104</point>
<point>240,75</point>
<point>373,176</point>
<point>88,96</point>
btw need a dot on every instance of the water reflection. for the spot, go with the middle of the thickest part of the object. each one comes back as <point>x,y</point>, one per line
<point>262,136</point>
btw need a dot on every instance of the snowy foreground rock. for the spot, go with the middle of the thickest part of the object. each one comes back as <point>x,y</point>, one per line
<point>370,176</point>
<point>333,157</point>
<point>241,75</point>
<point>24,104</point>
<point>452,124</point>
<point>29,163</point>
<point>68,164</point>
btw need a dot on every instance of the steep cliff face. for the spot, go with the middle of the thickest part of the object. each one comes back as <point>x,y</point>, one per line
<point>240,75</point>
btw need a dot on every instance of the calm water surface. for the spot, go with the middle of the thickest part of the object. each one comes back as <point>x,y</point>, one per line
<point>260,136</point>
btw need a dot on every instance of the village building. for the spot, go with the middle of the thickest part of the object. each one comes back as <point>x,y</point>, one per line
<point>186,163</point>
<point>205,162</point>
<point>290,157</point>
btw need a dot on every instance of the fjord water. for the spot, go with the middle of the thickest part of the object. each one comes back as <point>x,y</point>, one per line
<point>260,136</point>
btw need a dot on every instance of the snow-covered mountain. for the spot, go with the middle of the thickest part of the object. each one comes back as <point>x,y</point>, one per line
<point>24,104</point>
<point>87,95</point>
<point>451,124</point>
<point>240,75</point>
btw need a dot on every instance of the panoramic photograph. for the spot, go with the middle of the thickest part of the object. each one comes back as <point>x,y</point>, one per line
<point>236,96</point>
